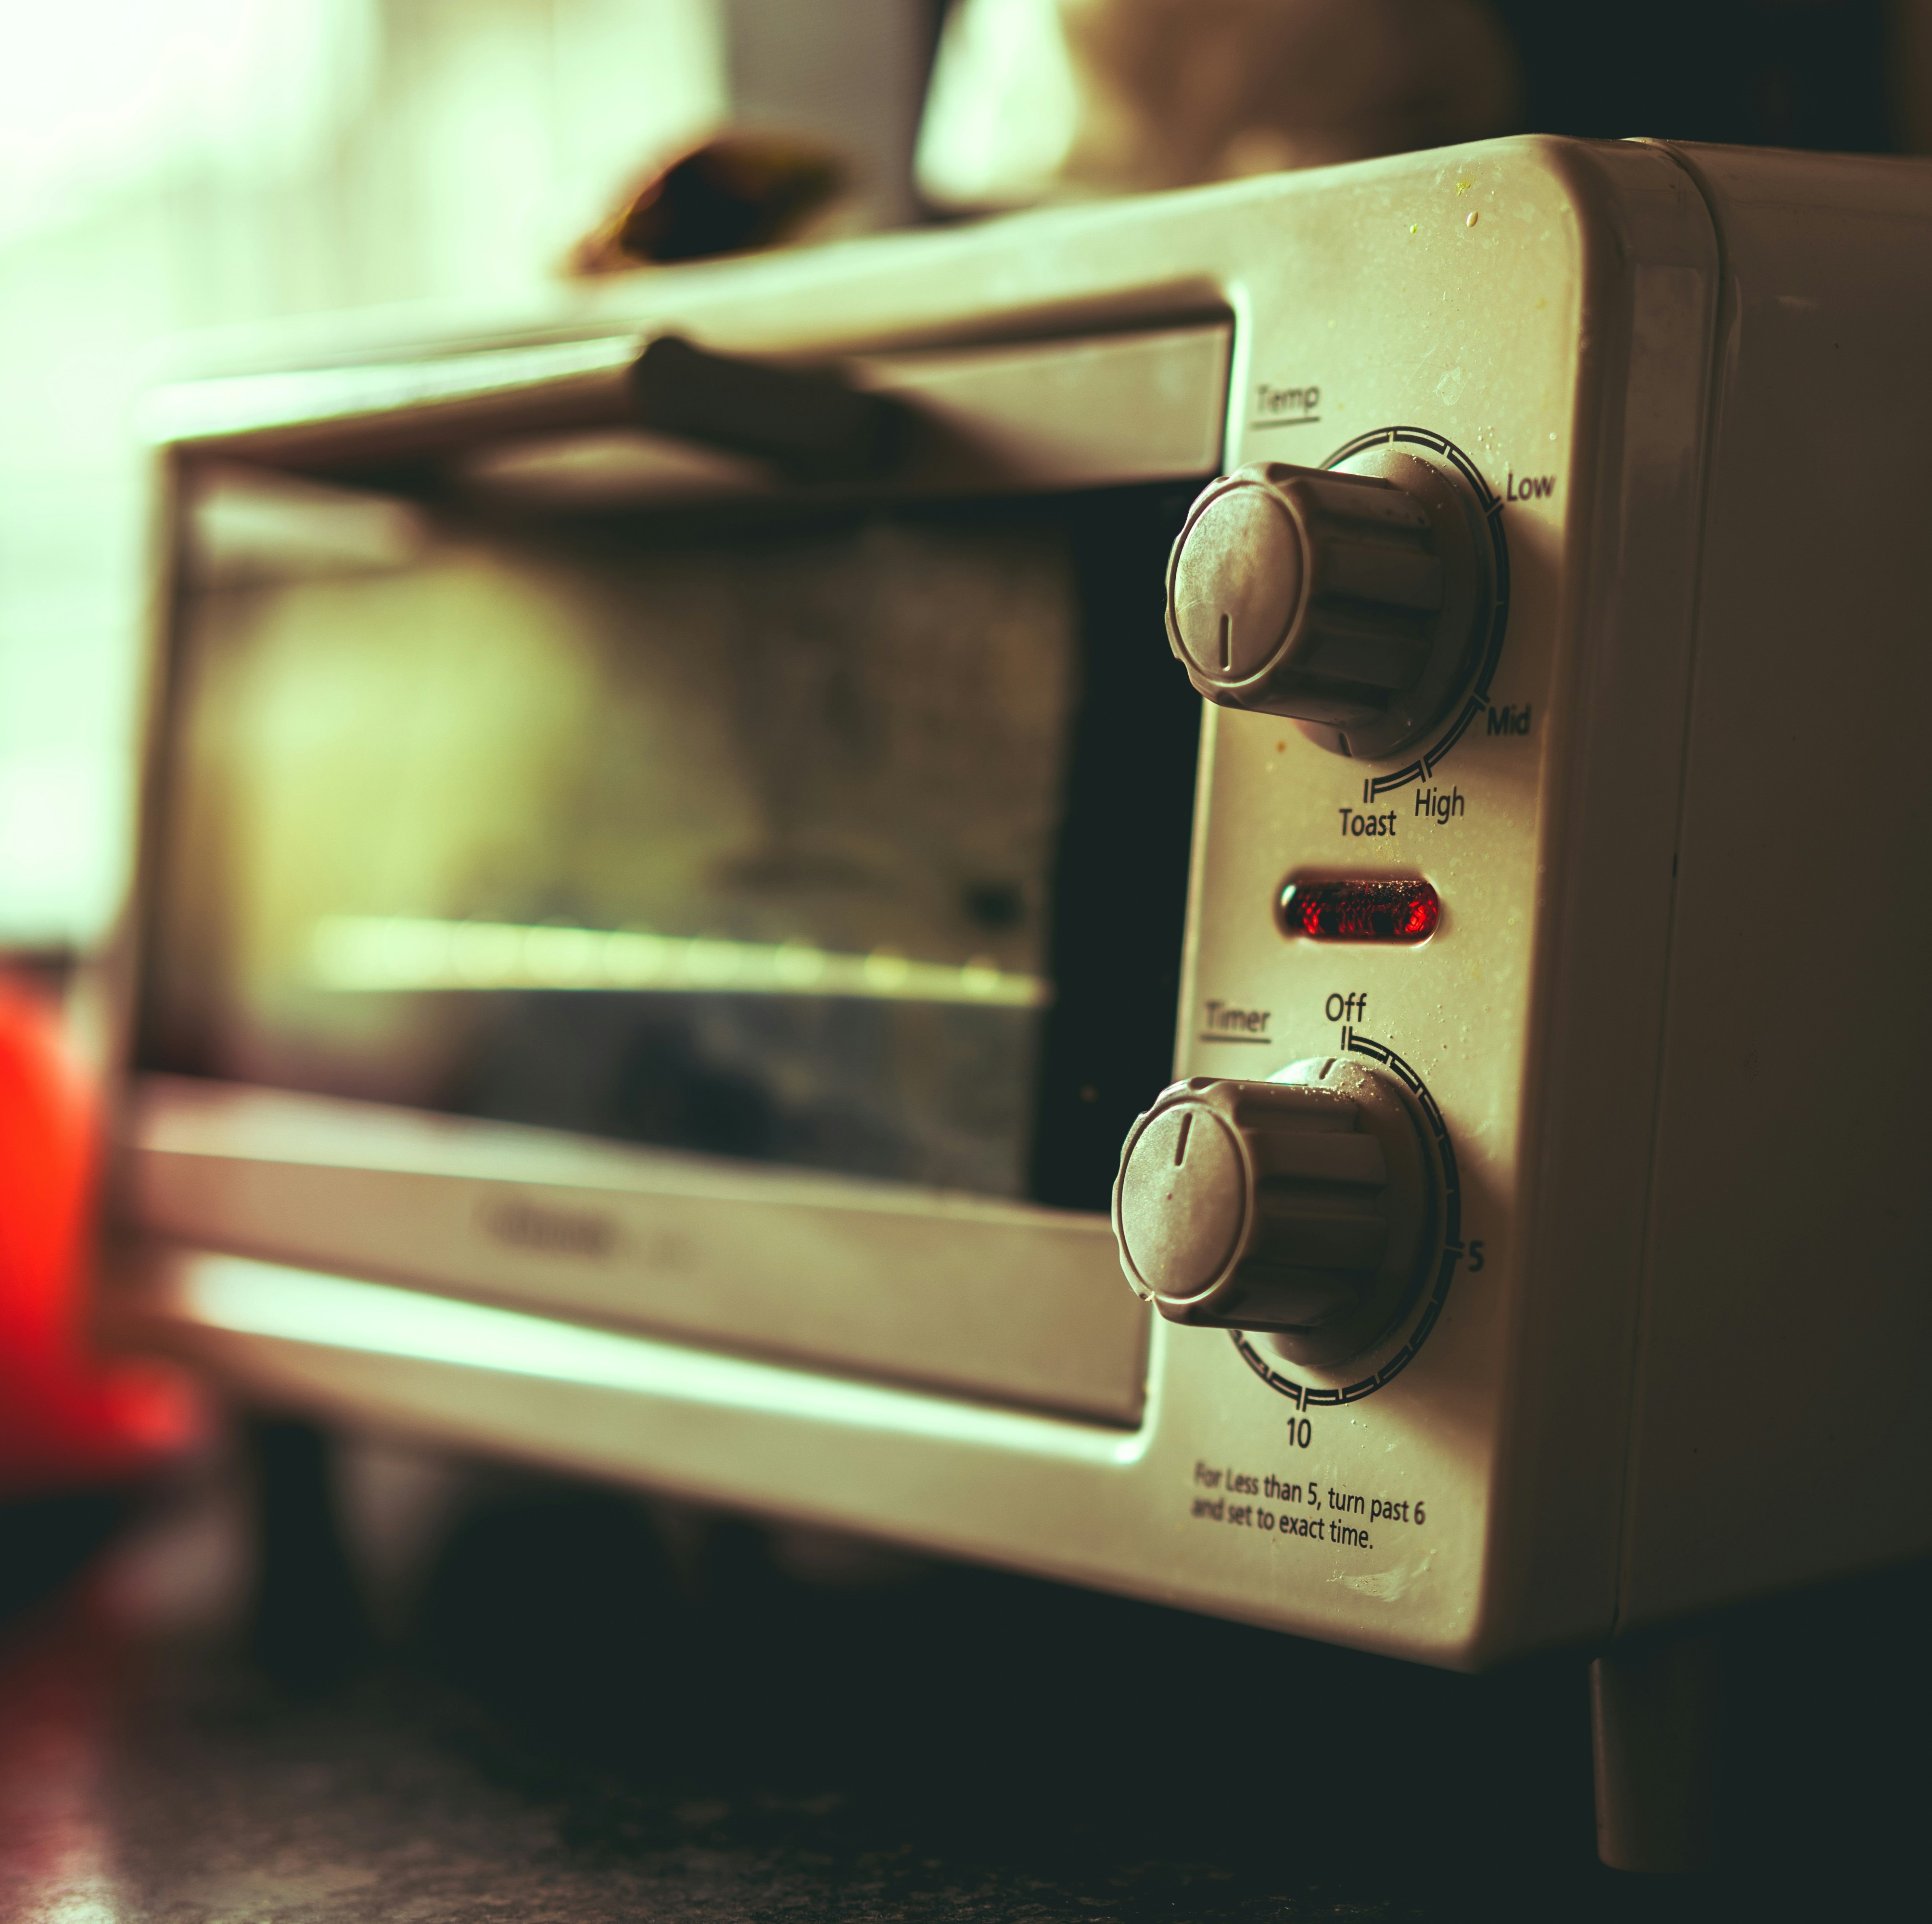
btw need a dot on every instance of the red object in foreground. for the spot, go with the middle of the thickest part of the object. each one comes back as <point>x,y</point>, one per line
<point>1361,911</point>
<point>67,1417</point>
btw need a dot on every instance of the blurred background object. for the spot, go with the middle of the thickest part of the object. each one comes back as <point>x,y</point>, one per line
<point>1034,98</point>
<point>65,1420</point>
<point>736,192</point>
<point>849,73</point>
<point>1038,99</point>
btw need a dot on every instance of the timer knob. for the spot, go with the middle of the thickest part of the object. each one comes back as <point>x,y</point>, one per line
<point>1306,1206</point>
<point>1354,599</point>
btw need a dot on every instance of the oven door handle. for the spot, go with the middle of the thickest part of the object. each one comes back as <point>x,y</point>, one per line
<point>812,424</point>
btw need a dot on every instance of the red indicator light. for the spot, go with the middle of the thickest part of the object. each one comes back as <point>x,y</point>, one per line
<point>1361,911</point>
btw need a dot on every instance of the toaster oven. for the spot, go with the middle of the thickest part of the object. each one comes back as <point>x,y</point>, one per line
<point>1157,892</point>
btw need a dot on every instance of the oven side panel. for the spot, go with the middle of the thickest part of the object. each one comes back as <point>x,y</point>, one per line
<point>1782,1432</point>
<point>1604,884</point>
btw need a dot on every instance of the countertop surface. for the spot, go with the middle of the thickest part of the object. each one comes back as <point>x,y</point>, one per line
<point>578,1707</point>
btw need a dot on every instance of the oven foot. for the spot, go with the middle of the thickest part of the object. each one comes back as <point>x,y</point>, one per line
<point>1653,1731</point>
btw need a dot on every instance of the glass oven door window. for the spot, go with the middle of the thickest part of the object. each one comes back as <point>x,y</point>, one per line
<point>810,839</point>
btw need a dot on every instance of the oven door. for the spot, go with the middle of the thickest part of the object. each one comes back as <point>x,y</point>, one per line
<point>593,873</point>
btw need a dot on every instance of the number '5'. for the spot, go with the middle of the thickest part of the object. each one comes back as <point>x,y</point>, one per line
<point>1475,1255</point>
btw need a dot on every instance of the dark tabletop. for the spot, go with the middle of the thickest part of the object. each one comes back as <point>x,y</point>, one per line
<point>583,1711</point>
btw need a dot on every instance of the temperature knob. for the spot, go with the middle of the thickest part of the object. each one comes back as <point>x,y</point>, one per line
<point>1354,599</point>
<point>1306,1205</point>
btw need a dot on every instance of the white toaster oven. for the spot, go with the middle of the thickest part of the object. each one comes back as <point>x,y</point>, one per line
<point>680,843</point>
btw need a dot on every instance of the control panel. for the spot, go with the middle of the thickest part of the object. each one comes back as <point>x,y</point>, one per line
<point>1301,1189</point>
